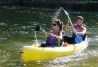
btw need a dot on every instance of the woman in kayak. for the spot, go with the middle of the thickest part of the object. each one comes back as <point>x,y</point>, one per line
<point>79,30</point>
<point>55,35</point>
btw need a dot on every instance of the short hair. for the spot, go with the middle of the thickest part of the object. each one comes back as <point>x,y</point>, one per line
<point>79,17</point>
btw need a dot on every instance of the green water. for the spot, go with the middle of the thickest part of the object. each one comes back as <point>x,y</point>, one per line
<point>17,29</point>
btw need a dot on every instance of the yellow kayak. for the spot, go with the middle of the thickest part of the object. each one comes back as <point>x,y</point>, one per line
<point>34,53</point>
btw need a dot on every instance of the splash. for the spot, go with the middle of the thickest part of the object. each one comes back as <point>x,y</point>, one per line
<point>57,13</point>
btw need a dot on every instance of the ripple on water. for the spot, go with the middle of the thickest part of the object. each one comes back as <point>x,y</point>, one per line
<point>3,24</point>
<point>1,39</point>
<point>96,38</point>
<point>5,55</point>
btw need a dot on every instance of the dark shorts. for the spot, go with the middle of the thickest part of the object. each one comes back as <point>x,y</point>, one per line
<point>68,39</point>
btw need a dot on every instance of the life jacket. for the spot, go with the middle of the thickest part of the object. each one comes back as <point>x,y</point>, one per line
<point>52,41</point>
<point>78,27</point>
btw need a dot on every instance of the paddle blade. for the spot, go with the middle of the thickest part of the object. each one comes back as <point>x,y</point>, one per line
<point>38,28</point>
<point>78,39</point>
<point>66,12</point>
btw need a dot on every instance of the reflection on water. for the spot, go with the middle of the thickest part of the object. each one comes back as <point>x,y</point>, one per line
<point>17,29</point>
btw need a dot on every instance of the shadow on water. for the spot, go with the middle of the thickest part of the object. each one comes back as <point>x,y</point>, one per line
<point>18,30</point>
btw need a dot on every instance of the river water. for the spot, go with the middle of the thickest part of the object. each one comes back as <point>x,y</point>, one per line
<point>17,29</point>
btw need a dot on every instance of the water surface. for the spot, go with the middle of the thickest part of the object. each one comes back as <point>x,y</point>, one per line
<point>17,27</point>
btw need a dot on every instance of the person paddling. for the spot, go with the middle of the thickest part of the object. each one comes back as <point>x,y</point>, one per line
<point>55,35</point>
<point>79,26</point>
<point>78,29</point>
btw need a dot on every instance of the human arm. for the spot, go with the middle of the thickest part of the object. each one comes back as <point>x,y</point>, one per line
<point>54,35</point>
<point>81,32</point>
<point>59,37</point>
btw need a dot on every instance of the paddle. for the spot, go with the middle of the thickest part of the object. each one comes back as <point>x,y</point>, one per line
<point>78,37</point>
<point>37,28</point>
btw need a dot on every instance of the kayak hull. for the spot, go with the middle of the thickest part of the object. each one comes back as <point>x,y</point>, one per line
<point>32,53</point>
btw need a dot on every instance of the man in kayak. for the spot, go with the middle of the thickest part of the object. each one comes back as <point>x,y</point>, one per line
<point>79,31</point>
<point>79,27</point>
<point>54,37</point>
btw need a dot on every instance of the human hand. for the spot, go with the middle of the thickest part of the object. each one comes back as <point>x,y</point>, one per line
<point>75,31</point>
<point>51,34</point>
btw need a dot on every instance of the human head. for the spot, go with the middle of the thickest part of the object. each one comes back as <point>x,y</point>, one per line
<point>58,23</point>
<point>79,20</point>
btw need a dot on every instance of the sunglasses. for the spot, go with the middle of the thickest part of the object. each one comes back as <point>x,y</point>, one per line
<point>54,24</point>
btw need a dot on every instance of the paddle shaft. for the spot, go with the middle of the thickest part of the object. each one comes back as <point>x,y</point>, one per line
<point>36,37</point>
<point>69,20</point>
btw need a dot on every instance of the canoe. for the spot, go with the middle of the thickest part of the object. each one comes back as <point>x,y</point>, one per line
<point>35,53</point>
